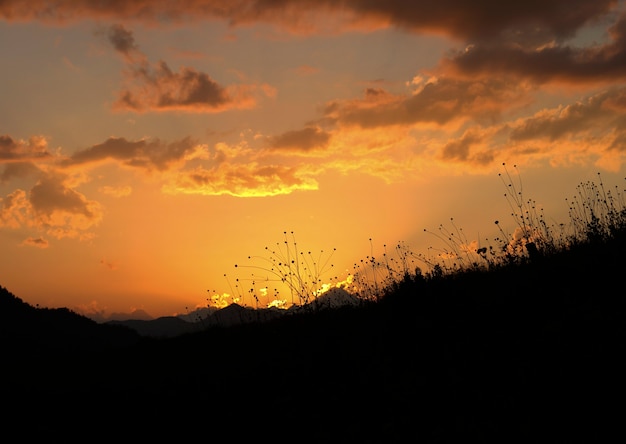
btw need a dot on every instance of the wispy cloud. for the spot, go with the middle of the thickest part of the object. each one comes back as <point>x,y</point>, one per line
<point>37,242</point>
<point>303,140</point>
<point>120,191</point>
<point>144,154</point>
<point>158,88</point>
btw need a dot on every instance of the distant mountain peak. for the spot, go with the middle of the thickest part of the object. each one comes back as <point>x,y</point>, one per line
<point>138,314</point>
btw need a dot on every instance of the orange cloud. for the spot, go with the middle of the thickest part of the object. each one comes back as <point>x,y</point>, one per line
<point>601,113</point>
<point>15,210</point>
<point>51,206</point>
<point>122,191</point>
<point>438,101</point>
<point>246,180</point>
<point>63,211</point>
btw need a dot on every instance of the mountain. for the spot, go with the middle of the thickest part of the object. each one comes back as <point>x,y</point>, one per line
<point>335,297</point>
<point>135,314</point>
<point>163,327</point>
<point>24,327</point>
<point>171,326</point>
<point>233,314</point>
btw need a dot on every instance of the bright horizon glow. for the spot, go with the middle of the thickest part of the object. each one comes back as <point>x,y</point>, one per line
<point>145,150</point>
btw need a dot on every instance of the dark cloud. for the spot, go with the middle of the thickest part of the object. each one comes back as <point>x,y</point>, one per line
<point>155,87</point>
<point>142,154</point>
<point>38,242</point>
<point>11,150</point>
<point>459,149</point>
<point>525,39</point>
<point>306,139</point>
<point>17,170</point>
<point>487,19</point>
<point>475,20</point>
<point>122,39</point>
<point>597,63</point>
<point>50,194</point>
<point>161,89</point>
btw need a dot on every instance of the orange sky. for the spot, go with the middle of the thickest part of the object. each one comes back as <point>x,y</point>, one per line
<point>146,147</point>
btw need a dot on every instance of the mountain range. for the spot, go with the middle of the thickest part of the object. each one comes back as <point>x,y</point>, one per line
<point>233,314</point>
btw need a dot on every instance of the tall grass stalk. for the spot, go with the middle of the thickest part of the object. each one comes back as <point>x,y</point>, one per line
<point>372,276</point>
<point>301,271</point>
<point>596,214</point>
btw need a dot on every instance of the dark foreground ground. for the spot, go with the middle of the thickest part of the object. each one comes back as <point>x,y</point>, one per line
<point>528,354</point>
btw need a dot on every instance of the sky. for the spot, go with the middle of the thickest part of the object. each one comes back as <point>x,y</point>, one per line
<point>148,147</point>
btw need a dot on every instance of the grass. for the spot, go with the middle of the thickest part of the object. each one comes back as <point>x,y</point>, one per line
<point>597,217</point>
<point>303,273</point>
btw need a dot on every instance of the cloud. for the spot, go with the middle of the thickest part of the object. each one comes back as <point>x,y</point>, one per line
<point>144,154</point>
<point>245,180</point>
<point>476,20</point>
<point>303,140</point>
<point>38,242</point>
<point>596,114</point>
<point>160,89</point>
<point>15,210</point>
<point>484,19</point>
<point>18,170</point>
<point>122,191</point>
<point>52,206</point>
<point>452,123</point>
<point>156,87</point>
<point>61,208</point>
<point>549,63</point>
<point>19,158</point>
<point>460,149</point>
<point>122,39</point>
<point>187,167</point>
<point>437,102</point>
<point>109,265</point>
<point>33,149</point>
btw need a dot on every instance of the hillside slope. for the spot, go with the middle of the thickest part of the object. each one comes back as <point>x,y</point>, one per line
<point>526,353</point>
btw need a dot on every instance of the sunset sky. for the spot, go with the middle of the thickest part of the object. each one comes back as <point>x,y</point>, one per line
<point>146,147</point>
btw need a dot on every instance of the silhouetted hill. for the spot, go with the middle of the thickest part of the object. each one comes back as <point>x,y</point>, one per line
<point>530,351</point>
<point>28,329</point>
<point>166,326</point>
